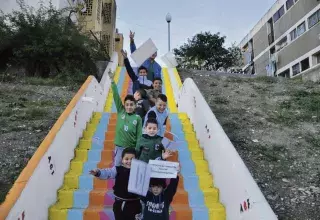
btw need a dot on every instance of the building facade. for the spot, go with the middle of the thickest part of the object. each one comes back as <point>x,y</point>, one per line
<point>99,16</point>
<point>286,41</point>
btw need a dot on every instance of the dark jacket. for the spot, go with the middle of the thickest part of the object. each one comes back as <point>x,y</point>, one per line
<point>121,175</point>
<point>149,148</point>
<point>136,84</point>
<point>157,207</point>
<point>142,107</point>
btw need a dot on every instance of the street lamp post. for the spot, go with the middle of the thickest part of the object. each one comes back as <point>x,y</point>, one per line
<point>168,19</point>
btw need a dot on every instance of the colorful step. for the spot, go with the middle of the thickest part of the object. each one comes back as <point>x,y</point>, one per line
<point>84,197</point>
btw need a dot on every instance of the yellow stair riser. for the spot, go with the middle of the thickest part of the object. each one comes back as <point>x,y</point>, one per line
<point>211,195</point>
<point>85,144</point>
<point>58,214</point>
<point>81,155</point>
<point>88,134</point>
<point>65,199</point>
<point>71,181</point>
<point>217,212</point>
<point>76,168</point>
<point>91,128</point>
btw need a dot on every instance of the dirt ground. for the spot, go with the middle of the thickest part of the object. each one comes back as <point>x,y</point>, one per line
<point>27,112</point>
<point>275,126</point>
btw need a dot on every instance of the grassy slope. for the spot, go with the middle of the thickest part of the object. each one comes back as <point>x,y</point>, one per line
<point>28,109</point>
<point>275,126</point>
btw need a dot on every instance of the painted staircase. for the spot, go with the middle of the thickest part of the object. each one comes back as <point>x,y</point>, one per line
<point>85,197</point>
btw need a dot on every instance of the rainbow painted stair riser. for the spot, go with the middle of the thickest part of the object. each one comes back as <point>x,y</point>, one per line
<point>85,197</point>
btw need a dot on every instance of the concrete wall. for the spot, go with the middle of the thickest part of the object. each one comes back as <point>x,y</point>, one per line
<point>261,63</point>
<point>312,74</point>
<point>300,46</point>
<point>293,15</point>
<point>260,40</point>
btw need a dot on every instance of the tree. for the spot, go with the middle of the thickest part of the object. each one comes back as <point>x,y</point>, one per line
<point>44,42</point>
<point>205,51</point>
<point>236,56</point>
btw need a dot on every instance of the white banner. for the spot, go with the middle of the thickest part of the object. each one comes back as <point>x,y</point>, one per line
<point>163,169</point>
<point>171,145</point>
<point>139,177</point>
<point>141,172</point>
<point>145,51</point>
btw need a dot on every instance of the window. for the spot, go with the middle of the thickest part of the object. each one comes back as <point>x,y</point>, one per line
<point>301,29</point>
<point>278,14</point>
<point>293,35</point>
<point>316,59</point>
<point>285,74</point>
<point>313,19</point>
<point>289,4</point>
<point>106,12</point>
<point>296,69</point>
<point>305,64</point>
<point>88,4</point>
<point>281,44</point>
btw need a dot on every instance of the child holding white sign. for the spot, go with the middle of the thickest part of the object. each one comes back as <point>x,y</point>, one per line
<point>159,198</point>
<point>149,146</point>
<point>126,205</point>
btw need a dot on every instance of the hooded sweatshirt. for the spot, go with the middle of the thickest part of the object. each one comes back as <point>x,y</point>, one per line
<point>161,118</point>
<point>157,207</point>
<point>121,175</point>
<point>149,148</point>
<point>129,126</point>
<point>139,82</point>
<point>142,107</point>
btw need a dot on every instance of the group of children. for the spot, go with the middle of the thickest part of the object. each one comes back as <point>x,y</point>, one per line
<point>141,125</point>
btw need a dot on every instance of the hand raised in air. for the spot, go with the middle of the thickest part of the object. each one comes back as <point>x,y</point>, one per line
<point>166,154</point>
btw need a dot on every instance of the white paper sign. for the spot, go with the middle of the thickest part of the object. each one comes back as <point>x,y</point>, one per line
<point>139,177</point>
<point>171,145</point>
<point>163,169</point>
<point>145,51</point>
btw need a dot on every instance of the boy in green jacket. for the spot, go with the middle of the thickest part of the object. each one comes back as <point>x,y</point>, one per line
<point>129,125</point>
<point>149,146</point>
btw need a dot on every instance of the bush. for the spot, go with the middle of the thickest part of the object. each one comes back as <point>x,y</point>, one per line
<point>46,43</point>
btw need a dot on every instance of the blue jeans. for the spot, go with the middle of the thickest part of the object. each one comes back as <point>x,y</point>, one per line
<point>118,156</point>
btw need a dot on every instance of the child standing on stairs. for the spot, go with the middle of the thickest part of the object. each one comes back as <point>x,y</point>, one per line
<point>129,125</point>
<point>126,205</point>
<point>160,113</point>
<point>138,82</point>
<point>153,93</point>
<point>143,104</point>
<point>158,199</point>
<point>149,146</point>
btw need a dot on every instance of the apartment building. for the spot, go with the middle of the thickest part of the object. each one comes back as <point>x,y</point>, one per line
<point>99,16</point>
<point>286,40</point>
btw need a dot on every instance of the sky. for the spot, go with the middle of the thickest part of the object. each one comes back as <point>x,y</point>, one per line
<point>232,18</point>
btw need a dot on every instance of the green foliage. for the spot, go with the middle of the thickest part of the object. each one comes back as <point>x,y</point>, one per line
<point>45,42</point>
<point>206,51</point>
